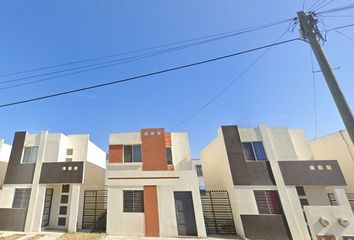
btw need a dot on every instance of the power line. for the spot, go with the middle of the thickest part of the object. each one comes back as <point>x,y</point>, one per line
<point>323,5</point>
<point>111,63</point>
<point>232,33</point>
<point>303,4</point>
<point>339,32</point>
<point>144,75</point>
<point>315,4</point>
<point>338,16</point>
<point>340,27</point>
<point>314,94</point>
<point>350,6</point>
<point>227,87</point>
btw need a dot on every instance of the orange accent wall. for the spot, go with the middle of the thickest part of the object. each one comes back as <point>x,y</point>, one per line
<point>168,140</point>
<point>153,149</point>
<point>115,154</point>
<point>151,210</point>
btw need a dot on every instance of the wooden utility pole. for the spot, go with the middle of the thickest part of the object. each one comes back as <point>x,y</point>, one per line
<point>310,33</point>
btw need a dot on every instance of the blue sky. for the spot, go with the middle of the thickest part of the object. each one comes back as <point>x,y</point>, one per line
<point>277,91</point>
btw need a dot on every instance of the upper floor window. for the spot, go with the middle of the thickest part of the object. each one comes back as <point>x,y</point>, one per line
<point>268,202</point>
<point>199,170</point>
<point>132,153</point>
<point>69,151</point>
<point>30,155</point>
<point>21,198</point>
<point>169,155</point>
<point>254,151</point>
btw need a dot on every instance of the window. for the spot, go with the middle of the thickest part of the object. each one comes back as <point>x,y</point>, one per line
<point>302,196</point>
<point>63,210</point>
<point>300,191</point>
<point>69,151</point>
<point>61,221</point>
<point>21,198</point>
<point>68,159</point>
<point>132,153</point>
<point>254,151</point>
<point>199,170</point>
<point>169,155</point>
<point>268,202</point>
<point>30,155</point>
<point>65,188</point>
<point>304,202</point>
<point>64,199</point>
<point>133,201</point>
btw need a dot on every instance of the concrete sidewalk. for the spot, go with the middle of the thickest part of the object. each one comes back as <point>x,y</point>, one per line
<point>89,236</point>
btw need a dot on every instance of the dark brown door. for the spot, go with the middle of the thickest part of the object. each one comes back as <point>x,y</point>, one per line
<point>185,214</point>
<point>326,237</point>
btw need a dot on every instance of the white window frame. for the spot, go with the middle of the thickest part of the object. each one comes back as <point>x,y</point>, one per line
<point>132,162</point>
<point>254,152</point>
<point>23,154</point>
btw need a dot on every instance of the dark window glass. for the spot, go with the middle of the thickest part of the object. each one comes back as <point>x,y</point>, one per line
<point>132,153</point>
<point>136,153</point>
<point>63,210</point>
<point>21,198</point>
<point>304,202</point>
<point>248,151</point>
<point>199,170</point>
<point>65,188</point>
<point>268,202</point>
<point>61,221</point>
<point>300,191</point>
<point>133,201</point>
<point>169,155</point>
<point>64,199</point>
<point>128,156</point>
<point>259,150</point>
<point>69,151</point>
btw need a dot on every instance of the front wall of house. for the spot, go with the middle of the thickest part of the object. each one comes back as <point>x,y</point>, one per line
<point>337,146</point>
<point>332,214</point>
<point>119,222</point>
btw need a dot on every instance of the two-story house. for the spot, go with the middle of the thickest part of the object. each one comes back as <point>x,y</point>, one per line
<point>152,189</point>
<point>45,180</point>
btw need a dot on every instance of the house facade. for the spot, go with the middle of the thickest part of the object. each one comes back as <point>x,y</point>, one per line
<point>340,147</point>
<point>277,190</point>
<point>4,158</point>
<point>197,166</point>
<point>45,180</point>
<point>152,189</point>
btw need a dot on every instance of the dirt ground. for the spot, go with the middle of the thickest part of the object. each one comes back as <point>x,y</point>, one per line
<point>81,236</point>
<point>12,237</point>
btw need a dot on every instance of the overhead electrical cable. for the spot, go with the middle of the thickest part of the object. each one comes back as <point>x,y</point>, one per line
<point>229,33</point>
<point>314,5</point>
<point>144,75</point>
<point>339,32</point>
<point>339,9</point>
<point>228,86</point>
<point>323,5</point>
<point>314,93</point>
<point>128,59</point>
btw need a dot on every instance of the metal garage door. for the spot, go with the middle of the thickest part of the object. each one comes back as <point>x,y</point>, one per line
<point>95,210</point>
<point>217,212</point>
